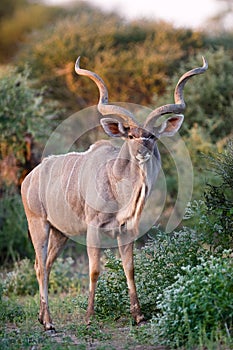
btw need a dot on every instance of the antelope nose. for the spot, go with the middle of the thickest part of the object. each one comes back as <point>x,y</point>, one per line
<point>143,156</point>
<point>143,152</point>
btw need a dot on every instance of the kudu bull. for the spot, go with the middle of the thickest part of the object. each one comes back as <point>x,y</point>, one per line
<point>102,190</point>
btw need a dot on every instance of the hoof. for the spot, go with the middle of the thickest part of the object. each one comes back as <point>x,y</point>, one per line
<point>51,332</point>
<point>88,322</point>
<point>49,327</point>
<point>140,320</point>
<point>89,318</point>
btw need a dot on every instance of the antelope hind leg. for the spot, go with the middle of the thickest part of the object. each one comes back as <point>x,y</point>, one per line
<point>94,270</point>
<point>39,231</point>
<point>56,244</point>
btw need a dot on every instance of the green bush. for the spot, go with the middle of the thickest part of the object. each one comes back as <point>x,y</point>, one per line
<point>212,217</point>
<point>22,279</point>
<point>14,242</point>
<point>23,111</point>
<point>63,277</point>
<point>161,260</point>
<point>219,197</point>
<point>197,308</point>
<point>11,311</point>
<point>111,298</point>
<point>156,267</point>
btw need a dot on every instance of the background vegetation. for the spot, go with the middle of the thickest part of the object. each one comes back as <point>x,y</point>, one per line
<point>184,278</point>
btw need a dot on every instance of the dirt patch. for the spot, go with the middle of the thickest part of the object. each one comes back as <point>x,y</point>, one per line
<point>112,339</point>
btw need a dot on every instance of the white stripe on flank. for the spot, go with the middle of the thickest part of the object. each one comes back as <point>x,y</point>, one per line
<point>68,182</point>
<point>49,179</point>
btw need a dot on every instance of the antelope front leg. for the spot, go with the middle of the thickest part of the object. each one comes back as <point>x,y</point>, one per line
<point>126,252</point>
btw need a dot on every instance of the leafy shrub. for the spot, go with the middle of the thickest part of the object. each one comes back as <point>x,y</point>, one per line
<point>22,110</point>
<point>197,307</point>
<point>212,217</point>
<point>25,122</point>
<point>161,260</point>
<point>156,266</point>
<point>210,225</point>
<point>22,280</point>
<point>14,242</point>
<point>219,198</point>
<point>11,311</point>
<point>111,298</point>
<point>63,277</point>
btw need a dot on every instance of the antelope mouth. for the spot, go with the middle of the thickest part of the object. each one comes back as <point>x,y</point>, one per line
<point>143,158</point>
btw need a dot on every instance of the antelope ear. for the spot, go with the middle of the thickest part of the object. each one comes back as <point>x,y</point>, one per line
<point>170,126</point>
<point>113,127</point>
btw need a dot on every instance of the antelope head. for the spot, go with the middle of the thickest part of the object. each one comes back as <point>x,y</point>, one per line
<point>141,139</point>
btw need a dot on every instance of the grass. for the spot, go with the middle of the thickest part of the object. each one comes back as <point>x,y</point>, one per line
<point>19,328</point>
